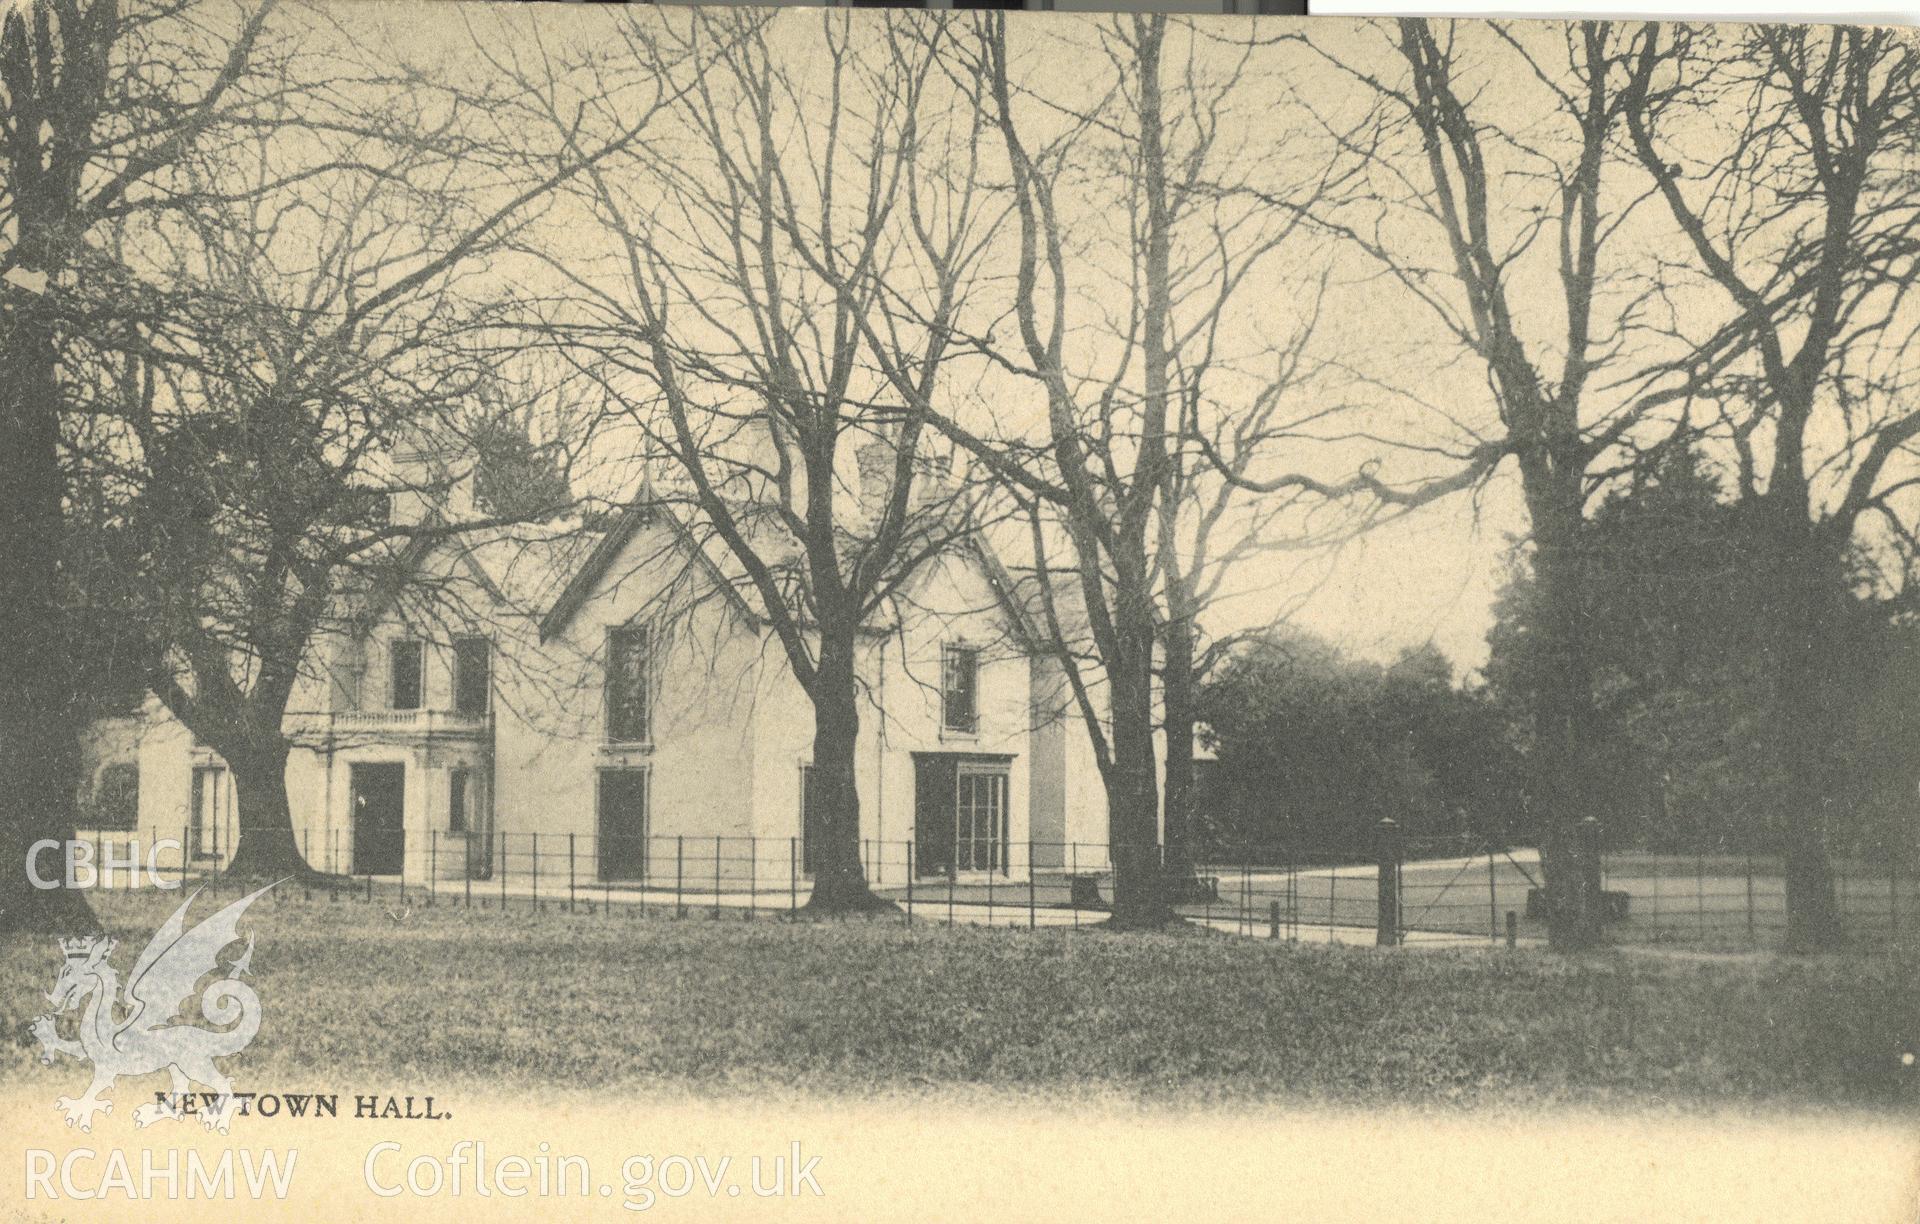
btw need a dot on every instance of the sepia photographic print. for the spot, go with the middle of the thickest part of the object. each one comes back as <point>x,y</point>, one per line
<point>953,614</point>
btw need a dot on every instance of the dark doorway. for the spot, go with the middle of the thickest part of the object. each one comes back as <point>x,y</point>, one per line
<point>812,836</point>
<point>623,824</point>
<point>379,819</point>
<point>933,814</point>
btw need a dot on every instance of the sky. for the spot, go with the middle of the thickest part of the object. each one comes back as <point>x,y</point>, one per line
<point>1428,578</point>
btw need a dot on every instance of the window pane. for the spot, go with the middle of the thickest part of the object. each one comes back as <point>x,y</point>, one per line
<point>115,802</point>
<point>959,684</point>
<point>628,667</point>
<point>471,679</point>
<point>980,821</point>
<point>404,662</point>
<point>457,802</point>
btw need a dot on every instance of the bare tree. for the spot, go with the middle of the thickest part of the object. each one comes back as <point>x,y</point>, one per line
<point>310,356</point>
<point>1161,413</point>
<point>1501,195</point>
<point>98,106</point>
<point>751,298</point>
<point>1804,222</point>
<point>1211,529</point>
<point>1103,463</point>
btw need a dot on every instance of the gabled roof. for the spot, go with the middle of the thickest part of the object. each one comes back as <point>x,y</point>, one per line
<point>517,572</point>
<point>1069,602</point>
<point>643,511</point>
<point>1006,589</point>
<point>586,579</point>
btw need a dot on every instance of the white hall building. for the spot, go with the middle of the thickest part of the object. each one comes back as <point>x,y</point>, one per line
<point>608,708</point>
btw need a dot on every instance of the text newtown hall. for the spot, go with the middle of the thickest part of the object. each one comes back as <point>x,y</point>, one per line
<point>610,708</point>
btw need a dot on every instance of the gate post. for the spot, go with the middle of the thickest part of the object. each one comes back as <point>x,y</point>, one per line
<point>1590,854</point>
<point>1387,923</point>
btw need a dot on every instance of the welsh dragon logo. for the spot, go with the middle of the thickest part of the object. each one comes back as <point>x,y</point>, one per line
<point>133,1033</point>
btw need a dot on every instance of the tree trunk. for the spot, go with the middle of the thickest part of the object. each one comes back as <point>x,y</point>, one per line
<point>1133,799</point>
<point>268,848</point>
<point>1177,789</point>
<point>1810,592</point>
<point>36,697</point>
<point>1565,738</point>
<point>839,879</point>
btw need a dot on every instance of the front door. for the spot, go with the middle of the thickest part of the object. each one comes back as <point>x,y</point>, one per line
<point>623,824</point>
<point>379,819</point>
<point>933,781</point>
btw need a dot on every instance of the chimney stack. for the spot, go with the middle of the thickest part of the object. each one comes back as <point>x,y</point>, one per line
<point>935,481</point>
<point>875,458</point>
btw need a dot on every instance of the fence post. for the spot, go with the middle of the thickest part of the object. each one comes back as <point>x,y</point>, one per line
<point>1033,917</point>
<point>989,889</point>
<point>716,876</point>
<point>1596,877</point>
<point>1493,898</point>
<point>1206,901</point>
<point>1387,922</point>
<point>503,871</point>
<point>909,883</point>
<point>1073,873</point>
<point>1293,893</point>
<point>570,872</point>
<point>1246,887</point>
<point>793,877</point>
<point>1273,920</point>
<point>1333,897</point>
<point>753,875</point>
<point>1513,930</point>
<point>679,875</point>
<point>466,869</point>
<point>952,871</point>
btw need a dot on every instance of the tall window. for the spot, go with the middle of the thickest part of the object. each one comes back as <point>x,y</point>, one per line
<point>980,819</point>
<point>460,783</point>
<point>115,802</point>
<point>629,681</point>
<point>206,808</point>
<point>404,660</point>
<point>960,688</point>
<point>472,675</point>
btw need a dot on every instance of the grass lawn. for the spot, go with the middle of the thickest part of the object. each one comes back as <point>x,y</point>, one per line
<point>452,997</point>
